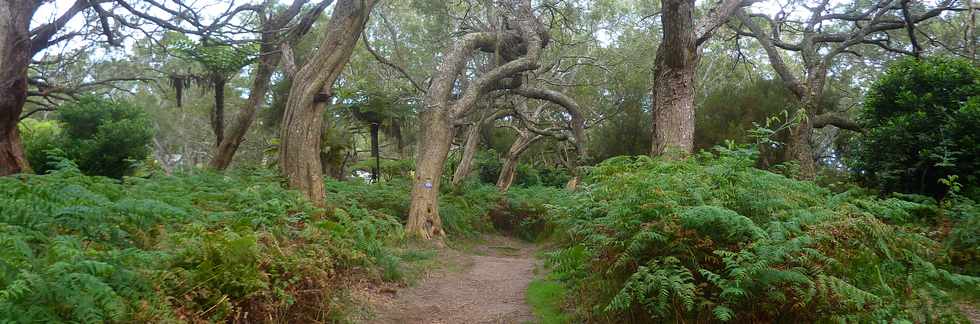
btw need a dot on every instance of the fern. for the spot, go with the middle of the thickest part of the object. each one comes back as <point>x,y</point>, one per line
<point>713,239</point>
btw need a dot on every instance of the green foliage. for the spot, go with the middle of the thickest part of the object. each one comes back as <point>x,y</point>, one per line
<point>103,137</point>
<point>527,211</point>
<point>38,138</point>
<point>220,59</point>
<point>464,213</point>
<point>545,298</point>
<point>192,247</point>
<point>963,241</point>
<point>711,238</point>
<point>921,118</point>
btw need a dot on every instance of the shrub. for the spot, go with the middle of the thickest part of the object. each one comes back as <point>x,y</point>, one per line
<point>103,137</point>
<point>39,138</point>
<point>921,119</point>
<point>192,247</point>
<point>713,239</point>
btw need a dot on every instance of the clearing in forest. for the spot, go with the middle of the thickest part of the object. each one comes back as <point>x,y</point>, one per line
<point>482,284</point>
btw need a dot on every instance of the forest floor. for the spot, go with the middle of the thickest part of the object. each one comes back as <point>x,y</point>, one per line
<point>482,282</point>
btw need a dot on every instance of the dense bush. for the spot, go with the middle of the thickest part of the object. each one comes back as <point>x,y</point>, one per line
<point>196,247</point>
<point>713,239</point>
<point>39,138</point>
<point>103,137</point>
<point>921,119</point>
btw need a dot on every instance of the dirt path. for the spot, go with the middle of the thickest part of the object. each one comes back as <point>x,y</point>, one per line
<point>485,284</point>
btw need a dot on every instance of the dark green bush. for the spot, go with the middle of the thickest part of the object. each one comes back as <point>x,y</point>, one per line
<point>713,239</point>
<point>921,119</point>
<point>103,137</point>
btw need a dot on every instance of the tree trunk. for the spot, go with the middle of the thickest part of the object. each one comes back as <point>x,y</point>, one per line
<point>509,169</point>
<point>375,152</point>
<point>15,55</point>
<point>218,113</point>
<point>673,80</point>
<point>469,154</point>
<point>799,149</point>
<point>301,132</point>
<point>256,96</point>
<point>436,137</point>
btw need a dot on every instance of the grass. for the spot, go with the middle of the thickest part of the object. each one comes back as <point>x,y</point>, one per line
<point>545,297</point>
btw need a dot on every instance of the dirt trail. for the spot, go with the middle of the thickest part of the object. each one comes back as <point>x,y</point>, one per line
<point>484,285</point>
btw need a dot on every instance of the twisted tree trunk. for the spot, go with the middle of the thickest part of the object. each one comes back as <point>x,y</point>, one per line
<point>15,55</point>
<point>301,132</point>
<point>442,108</point>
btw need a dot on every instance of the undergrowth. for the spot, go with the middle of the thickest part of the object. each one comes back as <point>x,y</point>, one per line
<point>464,212</point>
<point>712,239</point>
<point>192,247</point>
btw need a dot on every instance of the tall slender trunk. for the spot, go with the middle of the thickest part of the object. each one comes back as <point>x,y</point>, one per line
<point>301,129</point>
<point>218,112</point>
<point>375,152</point>
<point>15,55</point>
<point>469,154</point>
<point>436,137</point>
<point>673,80</point>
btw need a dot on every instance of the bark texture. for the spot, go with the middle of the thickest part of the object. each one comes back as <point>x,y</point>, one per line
<point>673,80</point>
<point>15,55</point>
<point>674,68</point>
<point>301,132</point>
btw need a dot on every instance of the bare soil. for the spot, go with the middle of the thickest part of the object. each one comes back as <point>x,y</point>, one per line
<point>482,284</point>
